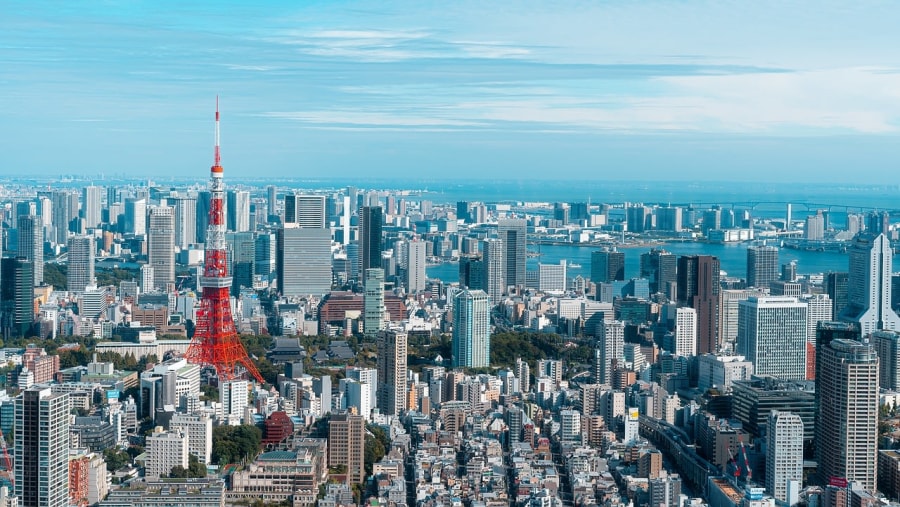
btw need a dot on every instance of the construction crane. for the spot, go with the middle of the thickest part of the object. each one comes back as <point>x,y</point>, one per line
<point>737,468</point>
<point>7,462</point>
<point>746,461</point>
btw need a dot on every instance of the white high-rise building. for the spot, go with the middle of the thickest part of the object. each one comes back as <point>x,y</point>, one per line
<point>552,277</point>
<point>720,372</point>
<point>570,426</point>
<point>358,396</point>
<point>303,259</point>
<point>869,284</point>
<point>415,266</point>
<point>772,335</point>
<point>136,216</point>
<point>161,245</point>
<point>632,425</point>
<point>685,331</point>
<point>238,210</point>
<point>92,206</point>
<point>819,308</point>
<point>165,451</point>
<point>728,312</point>
<point>610,346</point>
<point>234,399</point>
<point>198,429</point>
<point>367,376</point>
<point>784,453</point>
<point>147,278</point>
<point>306,211</point>
<point>185,222</point>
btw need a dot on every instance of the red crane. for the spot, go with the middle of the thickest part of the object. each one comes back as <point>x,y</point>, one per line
<point>216,342</point>
<point>746,461</point>
<point>7,461</point>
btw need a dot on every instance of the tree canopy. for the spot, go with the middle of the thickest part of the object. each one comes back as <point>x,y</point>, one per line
<point>233,444</point>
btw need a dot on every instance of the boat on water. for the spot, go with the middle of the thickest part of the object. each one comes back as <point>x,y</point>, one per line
<point>574,265</point>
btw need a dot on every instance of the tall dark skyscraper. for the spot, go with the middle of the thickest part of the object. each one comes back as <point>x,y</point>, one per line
<point>762,266</point>
<point>203,198</point>
<point>370,240</point>
<point>607,266</point>
<point>698,288</point>
<point>659,267</point>
<point>462,211</point>
<point>513,232</point>
<point>836,288</point>
<point>17,295</point>
<point>31,244</point>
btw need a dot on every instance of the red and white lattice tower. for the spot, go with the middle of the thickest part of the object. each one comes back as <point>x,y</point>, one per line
<point>216,342</point>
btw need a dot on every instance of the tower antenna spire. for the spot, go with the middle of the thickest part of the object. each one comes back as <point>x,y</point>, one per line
<point>218,158</point>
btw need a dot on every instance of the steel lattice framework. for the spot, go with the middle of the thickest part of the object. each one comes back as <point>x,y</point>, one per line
<point>216,342</point>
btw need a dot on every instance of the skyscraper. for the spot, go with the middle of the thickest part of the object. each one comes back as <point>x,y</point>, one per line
<point>869,284</point>
<point>161,245</point>
<point>80,272</point>
<point>494,265</point>
<point>887,345</point>
<point>610,346</point>
<point>238,210</point>
<point>847,420</point>
<point>415,266</point>
<point>836,288</point>
<point>305,210</point>
<point>391,365</point>
<point>373,302</point>
<point>31,245</point>
<point>203,202</point>
<point>92,209</point>
<point>784,453</point>
<point>370,240</point>
<point>471,329</point>
<point>762,265</point>
<point>514,233</point>
<point>17,296</point>
<point>42,447</point>
<point>607,266</point>
<point>303,260</point>
<point>64,208</point>
<point>685,332</point>
<point>135,216</point>
<point>772,335</point>
<point>659,267</point>
<point>698,287</point>
<point>185,221</point>
<point>346,443</point>
<point>271,202</point>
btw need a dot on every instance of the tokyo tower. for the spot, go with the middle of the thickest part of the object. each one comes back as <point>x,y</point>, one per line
<point>215,342</point>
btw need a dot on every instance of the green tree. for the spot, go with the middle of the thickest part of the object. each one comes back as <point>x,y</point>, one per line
<point>115,458</point>
<point>376,445</point>
<point>196,470</point>
<point>233,444</point>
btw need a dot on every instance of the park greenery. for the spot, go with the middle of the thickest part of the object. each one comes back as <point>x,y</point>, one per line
<point>235,444</point>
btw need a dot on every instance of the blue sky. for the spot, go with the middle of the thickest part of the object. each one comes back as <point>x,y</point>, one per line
<point>676,90</point>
